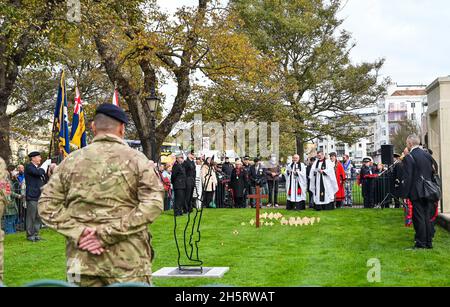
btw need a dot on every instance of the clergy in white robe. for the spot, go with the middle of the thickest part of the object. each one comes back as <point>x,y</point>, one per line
<point>296,184</point>
<point>323,183</point>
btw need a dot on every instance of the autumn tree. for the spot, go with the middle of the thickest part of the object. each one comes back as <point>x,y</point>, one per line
<point>405,128</point>
<point>35,92</point>
<point>24,26</point>
<point>321,87</point>
<point>142,48</point>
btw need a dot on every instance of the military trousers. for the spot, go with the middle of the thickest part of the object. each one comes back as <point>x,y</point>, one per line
<point>99,281</point>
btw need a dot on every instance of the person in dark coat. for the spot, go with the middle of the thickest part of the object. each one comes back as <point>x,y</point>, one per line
<point>308,172</point>
<point>178,180</point>
<point>367,181</point>
<point>189,166</point>
<point>257,178</point>
<point>246,165</point>
<point>417,167</point>
<point>35,179</point>
<point>397,175</point>
<point>273,171</point>
<point>239,185</point>
<point>227,167</point>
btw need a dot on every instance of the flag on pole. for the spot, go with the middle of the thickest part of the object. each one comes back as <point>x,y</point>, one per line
<point>78,134</point>
<point>62,119</point>
<point>115,100</point>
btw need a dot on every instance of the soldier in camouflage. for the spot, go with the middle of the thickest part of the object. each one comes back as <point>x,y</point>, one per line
<point>3,202</point>
<point>102,199</point>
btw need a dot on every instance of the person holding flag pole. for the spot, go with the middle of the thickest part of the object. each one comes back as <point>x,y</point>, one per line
<point>78,133</point>
<point>61,123</point>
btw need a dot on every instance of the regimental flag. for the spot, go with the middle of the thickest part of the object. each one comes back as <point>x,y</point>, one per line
<point>115,100</point>
<point>78,133</point>
<point>62,119</point>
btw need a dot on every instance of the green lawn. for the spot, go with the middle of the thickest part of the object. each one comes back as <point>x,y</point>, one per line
<point>332,253</point>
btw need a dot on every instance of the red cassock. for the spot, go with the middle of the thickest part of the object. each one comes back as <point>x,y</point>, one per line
<point>340,178</point>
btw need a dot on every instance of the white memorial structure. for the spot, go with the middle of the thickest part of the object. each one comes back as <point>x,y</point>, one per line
<point>438,128</point>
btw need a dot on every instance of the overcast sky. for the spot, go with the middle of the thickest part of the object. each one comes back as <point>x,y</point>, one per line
<point>412,35</point>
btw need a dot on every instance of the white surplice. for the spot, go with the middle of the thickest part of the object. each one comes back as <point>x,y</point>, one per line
<point>295,179</point>
<point>330,187</point>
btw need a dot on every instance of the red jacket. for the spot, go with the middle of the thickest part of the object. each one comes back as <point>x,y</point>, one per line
<point>340,178</point>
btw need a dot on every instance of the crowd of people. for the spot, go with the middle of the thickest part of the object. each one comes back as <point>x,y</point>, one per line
<point>323,182</point>
<point>195,181</point>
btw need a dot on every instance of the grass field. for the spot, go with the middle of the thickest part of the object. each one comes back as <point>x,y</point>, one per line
<point>332,253</point>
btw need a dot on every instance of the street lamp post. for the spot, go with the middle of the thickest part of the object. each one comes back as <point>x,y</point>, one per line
<point>153,102</point>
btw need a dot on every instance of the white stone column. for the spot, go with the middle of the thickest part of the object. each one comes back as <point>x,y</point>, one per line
<point>438,122</point>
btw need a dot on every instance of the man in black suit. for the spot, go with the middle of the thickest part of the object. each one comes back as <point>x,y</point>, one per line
<point>178,180</point>
<point>35,179</point>
<point>256,178</point>
<point>418,164</point>
<point>367,180</point>
<point>397,176</point>
<point>227,167</point>
<point>189,166</point>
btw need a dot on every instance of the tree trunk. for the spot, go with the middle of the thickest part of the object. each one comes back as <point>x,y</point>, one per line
<point>11,62</point>
<point>5,149</point>
<point>300,147</point>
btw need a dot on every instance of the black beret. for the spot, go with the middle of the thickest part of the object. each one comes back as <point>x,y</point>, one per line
<point>112,111</point>
<point>34,154</point>
<point>246,158</point>
<point>396,155</point>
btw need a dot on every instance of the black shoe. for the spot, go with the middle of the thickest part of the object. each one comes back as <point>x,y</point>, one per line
<point>38,239</point>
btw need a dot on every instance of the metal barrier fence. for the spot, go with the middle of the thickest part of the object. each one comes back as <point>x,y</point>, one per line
<point>379,193</point>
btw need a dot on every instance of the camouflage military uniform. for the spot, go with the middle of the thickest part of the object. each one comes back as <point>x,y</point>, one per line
<point>3,202</point>
<point>116,190</point>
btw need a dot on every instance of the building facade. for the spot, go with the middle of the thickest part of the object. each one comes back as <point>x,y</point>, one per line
<point>402,102</point>
<point>359,150</point>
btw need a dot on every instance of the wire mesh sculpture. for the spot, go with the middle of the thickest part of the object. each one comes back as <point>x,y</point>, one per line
<point>191,244</point>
